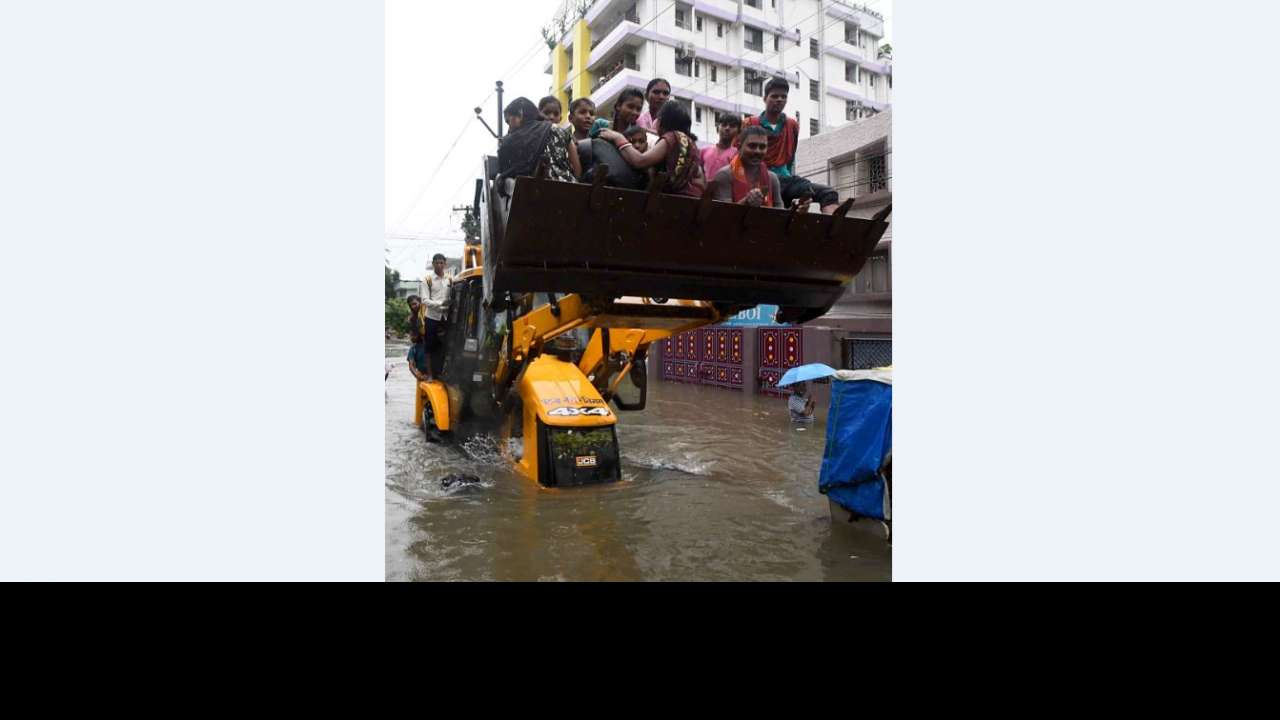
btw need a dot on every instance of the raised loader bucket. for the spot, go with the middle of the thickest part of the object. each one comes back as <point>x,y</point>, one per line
<point>596,240</point>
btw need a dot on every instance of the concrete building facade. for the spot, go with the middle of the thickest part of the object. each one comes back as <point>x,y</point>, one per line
<point>857,160</point>
<point>718,54</point>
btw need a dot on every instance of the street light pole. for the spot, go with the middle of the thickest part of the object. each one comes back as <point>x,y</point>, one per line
<point>499,89</point>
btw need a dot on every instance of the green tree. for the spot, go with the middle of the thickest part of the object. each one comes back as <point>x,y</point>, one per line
<point>885,52</point>
<point>471,225</point>
<point>393,282</point>
<point>396,316</point>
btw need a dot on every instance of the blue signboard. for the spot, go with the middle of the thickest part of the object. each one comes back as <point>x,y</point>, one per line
<point>758,315</point>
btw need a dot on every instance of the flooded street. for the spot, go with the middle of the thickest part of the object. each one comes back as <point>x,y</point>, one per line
<point>717,485</point>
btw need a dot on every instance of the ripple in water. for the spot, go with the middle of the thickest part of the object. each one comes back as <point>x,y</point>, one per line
<point>686,465</point>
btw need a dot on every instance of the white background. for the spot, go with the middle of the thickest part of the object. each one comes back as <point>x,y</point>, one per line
<point>193,214</point>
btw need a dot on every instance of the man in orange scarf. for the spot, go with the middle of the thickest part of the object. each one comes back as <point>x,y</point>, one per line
<point>746,179</point>
<point>784,138</point>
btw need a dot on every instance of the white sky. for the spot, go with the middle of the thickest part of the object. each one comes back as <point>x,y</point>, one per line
<point>442,59</point>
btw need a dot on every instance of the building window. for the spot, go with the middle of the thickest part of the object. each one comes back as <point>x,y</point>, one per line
<point>813,47</point>
<point>867,353</point>
<point>697,68</point>
<point>877,173</point>
<point>851,33</point>
<point>852,110</point>
<point>632,15</point>
<point>713,73</point>
<point>682,16</point>
<point>754,3</point>
<point>872,79</point>
<point>851,73</point>
<point>813,127</point>
<point>753,39</point>
<point>868,173</point>
<point>813,90</point>
<point>752,82</point>
<point>719,29</point>
<point>698,23</point>
<point>630,62</point>
<point>697,113</point>
<point>684,65</point>
<point>775,43</point>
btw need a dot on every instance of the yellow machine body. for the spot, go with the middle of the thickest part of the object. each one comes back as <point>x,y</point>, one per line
<point>435,394</point>
<point>556,394</point>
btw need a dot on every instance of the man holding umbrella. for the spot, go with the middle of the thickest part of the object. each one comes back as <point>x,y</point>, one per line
<point>800,404</point>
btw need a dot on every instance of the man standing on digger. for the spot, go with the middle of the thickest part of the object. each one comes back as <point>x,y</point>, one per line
<point>437,311</point>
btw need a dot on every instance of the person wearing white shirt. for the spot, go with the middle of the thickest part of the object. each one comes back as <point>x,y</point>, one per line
<point>800,404</point>
<point>437,305</point>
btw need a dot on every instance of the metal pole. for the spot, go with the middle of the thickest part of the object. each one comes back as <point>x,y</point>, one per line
<point>499,88</point>
<point>480,117</point>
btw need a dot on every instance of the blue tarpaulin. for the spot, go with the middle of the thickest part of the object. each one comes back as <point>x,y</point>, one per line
<point>859,436</point>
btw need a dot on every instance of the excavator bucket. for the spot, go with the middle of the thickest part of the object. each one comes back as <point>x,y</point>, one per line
<point>589,238</point>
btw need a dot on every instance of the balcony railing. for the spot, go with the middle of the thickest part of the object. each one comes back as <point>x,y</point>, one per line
<point>628,62</point>
<point>863,8</point>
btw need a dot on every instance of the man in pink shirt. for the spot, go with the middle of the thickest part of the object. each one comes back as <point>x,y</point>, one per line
<point>722,153</point>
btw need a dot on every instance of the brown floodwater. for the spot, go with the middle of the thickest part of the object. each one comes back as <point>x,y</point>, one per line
<point>717,485</point>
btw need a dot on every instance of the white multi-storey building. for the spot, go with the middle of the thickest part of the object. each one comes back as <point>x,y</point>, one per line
<point>718,55</point>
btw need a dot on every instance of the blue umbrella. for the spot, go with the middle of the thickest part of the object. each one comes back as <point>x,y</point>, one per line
<point>812,371</point>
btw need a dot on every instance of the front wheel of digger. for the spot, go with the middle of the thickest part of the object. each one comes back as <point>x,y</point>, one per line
<point>429,423</point>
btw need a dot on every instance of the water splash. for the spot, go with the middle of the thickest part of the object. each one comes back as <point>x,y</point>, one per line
<point>484,449</point>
